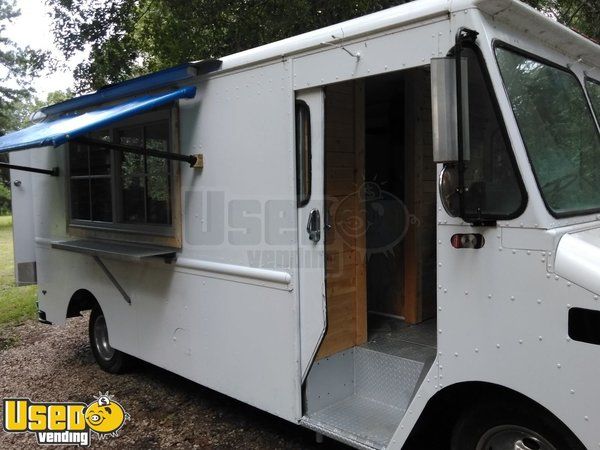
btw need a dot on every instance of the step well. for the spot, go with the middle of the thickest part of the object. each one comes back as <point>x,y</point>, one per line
<point>359,396</point>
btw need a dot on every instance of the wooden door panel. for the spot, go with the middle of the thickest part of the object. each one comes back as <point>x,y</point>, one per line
<point>345,271</point>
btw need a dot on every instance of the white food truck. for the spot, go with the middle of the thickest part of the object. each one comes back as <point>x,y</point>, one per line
<point>382,228</point>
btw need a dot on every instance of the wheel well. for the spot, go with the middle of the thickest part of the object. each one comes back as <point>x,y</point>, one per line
<point>82,300</point>
<point>444,409</point>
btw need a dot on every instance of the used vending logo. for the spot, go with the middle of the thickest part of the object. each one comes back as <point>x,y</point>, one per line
<point>65,423</point>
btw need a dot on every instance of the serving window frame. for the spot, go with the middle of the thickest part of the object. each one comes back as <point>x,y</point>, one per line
<point>117,230</point>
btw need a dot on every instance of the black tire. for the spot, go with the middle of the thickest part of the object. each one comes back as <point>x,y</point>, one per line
<point>109,359</point>
<point>485,426</point>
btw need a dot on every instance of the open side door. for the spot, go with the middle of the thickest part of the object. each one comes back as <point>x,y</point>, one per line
<point>310,144</point>
<point>21,184</point>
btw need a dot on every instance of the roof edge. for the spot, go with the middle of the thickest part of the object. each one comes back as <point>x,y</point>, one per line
<point>397,16</point>
<point>521,16</point>
<point>142,84</point>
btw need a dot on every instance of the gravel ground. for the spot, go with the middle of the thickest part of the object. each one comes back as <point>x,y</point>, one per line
<point>51,363</point>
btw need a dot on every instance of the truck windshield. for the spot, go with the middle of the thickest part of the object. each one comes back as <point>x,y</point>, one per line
<point>558,130</point>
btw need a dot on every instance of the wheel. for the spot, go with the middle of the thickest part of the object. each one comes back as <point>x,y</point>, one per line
<point>515,427</point>
<point>109,359</point>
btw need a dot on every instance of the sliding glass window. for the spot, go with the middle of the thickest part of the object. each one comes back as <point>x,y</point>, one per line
<point>121,190</point>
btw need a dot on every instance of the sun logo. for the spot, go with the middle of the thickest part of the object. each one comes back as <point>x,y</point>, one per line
<point>64,423</point>
<point>105,416</point>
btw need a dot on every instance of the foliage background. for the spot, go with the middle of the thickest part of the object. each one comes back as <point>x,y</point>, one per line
<point>19,66</point>
<point>127,38</point>
<point>130,37</point>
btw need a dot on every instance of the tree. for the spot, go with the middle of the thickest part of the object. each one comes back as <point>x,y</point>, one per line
<point>18,115</point>
<point>108,29</point>
<point>131,37</point>
<point>18,66</point>
<point>581,15</point>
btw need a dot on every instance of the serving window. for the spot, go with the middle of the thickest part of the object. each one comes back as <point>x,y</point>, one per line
<point>112,192</point>
<point>90,173</point>
<point>144,191</point>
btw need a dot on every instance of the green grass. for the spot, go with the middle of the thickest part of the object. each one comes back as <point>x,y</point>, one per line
<point>17,304</point>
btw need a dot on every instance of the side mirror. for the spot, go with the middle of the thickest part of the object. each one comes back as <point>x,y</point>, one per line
<point>450,189</point>
<point>445,109</point>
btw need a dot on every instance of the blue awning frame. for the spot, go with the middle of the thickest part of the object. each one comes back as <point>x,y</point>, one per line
<point>74,118</point>
<point>63,129</point>
<point>193,160</point>
<point>52,172</point>
<point>143,84</point>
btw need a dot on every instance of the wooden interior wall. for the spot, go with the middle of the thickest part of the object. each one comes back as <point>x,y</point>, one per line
<point>420,242</point>
<point>345,240</point>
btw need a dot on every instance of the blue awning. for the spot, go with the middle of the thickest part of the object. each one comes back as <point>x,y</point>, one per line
<point>58,131</point>
<point>136,86</point>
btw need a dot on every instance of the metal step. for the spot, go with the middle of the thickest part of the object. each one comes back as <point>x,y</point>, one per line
<point>360,396</point>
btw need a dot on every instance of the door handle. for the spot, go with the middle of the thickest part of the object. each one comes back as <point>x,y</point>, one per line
<point>313,227</point>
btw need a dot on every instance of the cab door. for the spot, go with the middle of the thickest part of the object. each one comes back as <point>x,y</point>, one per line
<point>310,145</point>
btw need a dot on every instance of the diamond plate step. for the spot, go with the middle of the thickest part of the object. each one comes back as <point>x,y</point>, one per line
<point>385,378</point>
<point>360,396</point>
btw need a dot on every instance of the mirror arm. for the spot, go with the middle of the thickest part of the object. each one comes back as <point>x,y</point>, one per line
<point>464,36</point>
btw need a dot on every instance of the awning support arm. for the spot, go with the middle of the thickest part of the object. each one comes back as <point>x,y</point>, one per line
<point>112,279</point>
<point>52,172</point>
<point>192,160</point>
